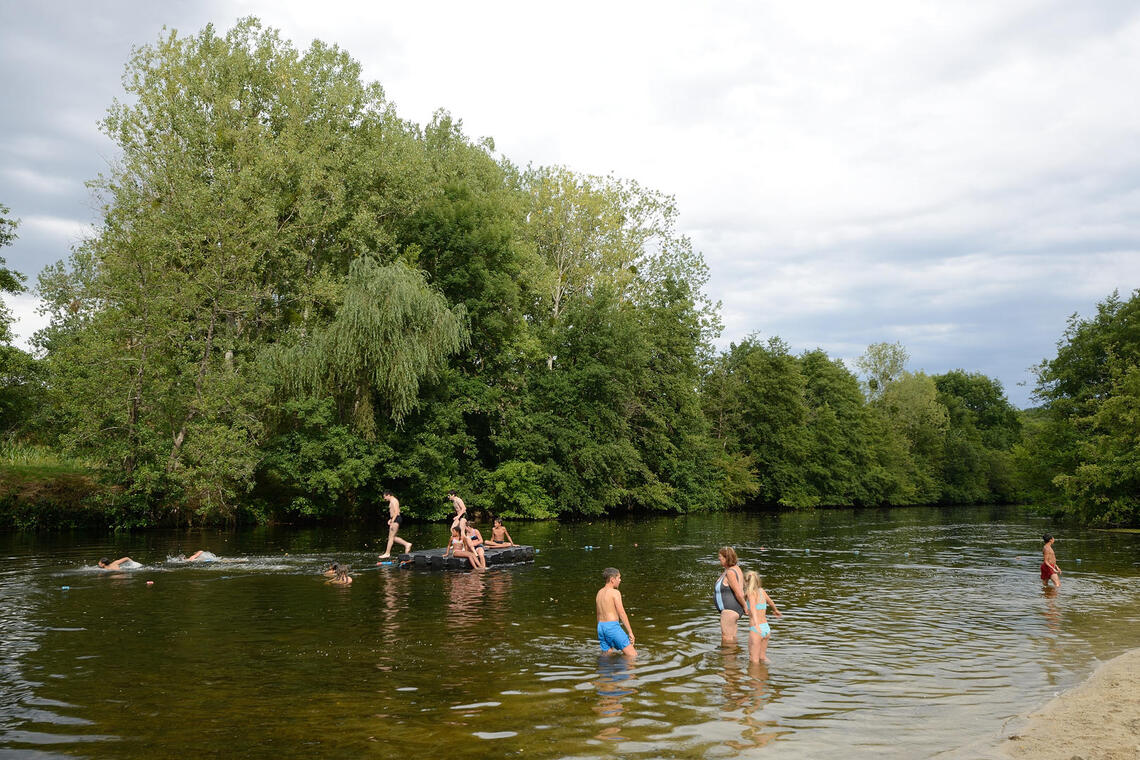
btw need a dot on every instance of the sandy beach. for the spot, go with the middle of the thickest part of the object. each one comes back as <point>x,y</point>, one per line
<point>1097,720</point>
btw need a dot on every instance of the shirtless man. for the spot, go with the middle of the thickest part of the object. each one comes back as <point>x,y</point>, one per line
<point>395,519</point>
<point>460,519</point>
<point>1049,569</point>
<point>611,617</point>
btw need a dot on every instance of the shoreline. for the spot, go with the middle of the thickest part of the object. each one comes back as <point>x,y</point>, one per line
<point>1099,719</point>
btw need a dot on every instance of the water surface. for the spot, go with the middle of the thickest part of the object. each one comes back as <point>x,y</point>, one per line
<point>907,633</point>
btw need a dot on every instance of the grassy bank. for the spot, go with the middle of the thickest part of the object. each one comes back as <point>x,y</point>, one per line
<point>40,489</point>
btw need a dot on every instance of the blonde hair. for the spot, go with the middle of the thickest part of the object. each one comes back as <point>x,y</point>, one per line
<point>751,582</point>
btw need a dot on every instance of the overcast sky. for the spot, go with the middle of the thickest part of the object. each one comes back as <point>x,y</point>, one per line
<point>956,176</point>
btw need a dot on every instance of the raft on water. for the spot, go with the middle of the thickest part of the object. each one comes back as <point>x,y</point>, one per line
<point>433,559</point>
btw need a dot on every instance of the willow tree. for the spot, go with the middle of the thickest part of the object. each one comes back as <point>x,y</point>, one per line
<point>391,333</point>
<point>250,175</point>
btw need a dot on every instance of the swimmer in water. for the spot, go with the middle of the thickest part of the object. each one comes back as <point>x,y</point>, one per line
<point>201,556</point>
<point>122,563</point>
<point>342,578</point>
<point>331,571</point>
<point>611,616</point>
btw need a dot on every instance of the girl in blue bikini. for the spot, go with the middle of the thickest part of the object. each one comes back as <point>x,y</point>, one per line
<point>756,601</point>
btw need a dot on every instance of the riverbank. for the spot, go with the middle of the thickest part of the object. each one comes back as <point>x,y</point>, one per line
<point>1098,720</point>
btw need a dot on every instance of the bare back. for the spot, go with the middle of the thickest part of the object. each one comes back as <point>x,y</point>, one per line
<point>607,601</point>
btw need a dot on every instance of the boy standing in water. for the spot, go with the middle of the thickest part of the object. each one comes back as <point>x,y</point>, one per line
<point>1049,569</point>
<point>611,616</point>
<point>395,520</point>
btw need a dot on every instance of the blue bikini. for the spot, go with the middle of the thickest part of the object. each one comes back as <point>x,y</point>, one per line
<point>765,629</point>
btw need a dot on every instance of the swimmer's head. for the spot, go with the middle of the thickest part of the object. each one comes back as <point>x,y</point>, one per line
<point>728,554</point>
<point>498,521</point>
<point>1047,537</point>
<point>386,494</point>
<point>455,530</point>
<point>334,566</point>
<point>104,562</point>
<point>751,581</point>
<point>610,573</point>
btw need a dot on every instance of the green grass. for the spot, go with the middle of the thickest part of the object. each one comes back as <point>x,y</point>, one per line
<point>29,460</point>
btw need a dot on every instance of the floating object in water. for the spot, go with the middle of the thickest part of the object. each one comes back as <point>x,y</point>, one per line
<point>763,548</point>
<point>856,551</point>
<point>65,588</point>
<point>1078,559</point>
<point>807,551</point>
<point>433,559</point>
<point>150,583</point>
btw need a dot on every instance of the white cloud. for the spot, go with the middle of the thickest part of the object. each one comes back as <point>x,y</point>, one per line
<point>26,322</point>
<point>67,231</point>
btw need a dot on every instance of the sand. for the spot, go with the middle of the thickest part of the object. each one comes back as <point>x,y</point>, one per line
<point>1097,720</point>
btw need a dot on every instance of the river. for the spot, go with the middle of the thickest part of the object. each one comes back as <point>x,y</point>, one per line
<point>906,633</point>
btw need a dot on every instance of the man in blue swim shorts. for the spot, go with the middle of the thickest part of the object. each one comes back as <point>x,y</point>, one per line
<point>611,617</point>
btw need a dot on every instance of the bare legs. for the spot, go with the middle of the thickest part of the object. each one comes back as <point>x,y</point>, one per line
<point>758,647</point>
<point>728,620</point>
<point>392,537</point>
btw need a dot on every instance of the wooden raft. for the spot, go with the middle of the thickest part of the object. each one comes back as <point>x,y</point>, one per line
<point>433,559</point>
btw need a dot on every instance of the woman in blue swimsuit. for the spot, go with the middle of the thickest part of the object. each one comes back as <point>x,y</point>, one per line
<point>729,594</point>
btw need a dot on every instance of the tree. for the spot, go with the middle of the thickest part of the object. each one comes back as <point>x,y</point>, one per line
<point>882,363</point>
<point>252,175</point>
<point>1081,456</point>
<point>10,282</point>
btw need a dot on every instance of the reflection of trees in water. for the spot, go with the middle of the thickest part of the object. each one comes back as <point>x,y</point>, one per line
<point>746,692</point>
<point>464,599</point>
<point>614,684</point>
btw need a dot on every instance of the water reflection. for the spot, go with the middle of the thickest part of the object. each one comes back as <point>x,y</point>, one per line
<point>614,683</point>
<point>747,691</point>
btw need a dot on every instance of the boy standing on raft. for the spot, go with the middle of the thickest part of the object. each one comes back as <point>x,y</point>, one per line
<point>1049,569</point>
<point>395,519</point>
<point>611,616</point>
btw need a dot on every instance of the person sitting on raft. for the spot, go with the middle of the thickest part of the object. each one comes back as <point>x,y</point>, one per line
<point>458,547</point>
<point>475,539</point>
<point>341,578</point>
<point>122,563</point>
<point>500,538</point>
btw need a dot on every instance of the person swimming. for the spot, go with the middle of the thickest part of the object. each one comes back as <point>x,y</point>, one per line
<point>200,556</point>
<point>341,578</point>
<point>122,563</point>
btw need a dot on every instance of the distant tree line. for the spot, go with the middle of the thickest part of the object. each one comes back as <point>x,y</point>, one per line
<point>296,299</point>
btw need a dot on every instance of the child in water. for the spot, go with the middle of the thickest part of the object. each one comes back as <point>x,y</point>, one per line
<point>500,538</point>
<point>1049,569</point>
<point>756,600</point>
<point>341,578</point>
<point>611,616</point>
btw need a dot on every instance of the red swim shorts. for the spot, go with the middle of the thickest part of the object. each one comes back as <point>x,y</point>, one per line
<point>1046,571</point>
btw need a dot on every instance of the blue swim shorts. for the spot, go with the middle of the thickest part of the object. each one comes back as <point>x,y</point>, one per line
<point>612,636</point>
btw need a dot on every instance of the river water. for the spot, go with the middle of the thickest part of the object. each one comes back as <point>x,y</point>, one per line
<point>906,633</point>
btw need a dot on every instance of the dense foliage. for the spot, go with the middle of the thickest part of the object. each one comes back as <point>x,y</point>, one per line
<point>295,300</point>
<point>1082,450</point>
